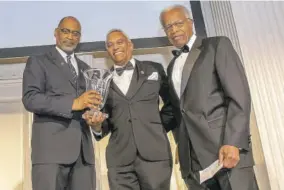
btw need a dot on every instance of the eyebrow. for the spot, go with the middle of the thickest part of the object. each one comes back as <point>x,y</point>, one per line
<point>117,40</point>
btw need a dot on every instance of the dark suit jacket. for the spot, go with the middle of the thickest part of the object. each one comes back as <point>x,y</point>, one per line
<point>135,121</point>
<point>48,92</point>
<point>215,102</point>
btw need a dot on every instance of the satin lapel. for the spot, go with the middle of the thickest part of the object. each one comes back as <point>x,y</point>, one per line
<point>115,88</point>
<point>59,61</point>
<point>170,78</point>
<point>190,64</point>
<point>139,76</point>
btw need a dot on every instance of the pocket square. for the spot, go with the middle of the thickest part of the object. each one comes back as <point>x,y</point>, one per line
<point>153,76</point>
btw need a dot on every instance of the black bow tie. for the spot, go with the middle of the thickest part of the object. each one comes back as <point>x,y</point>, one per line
<point>184,49</point>
<point>120,70</point>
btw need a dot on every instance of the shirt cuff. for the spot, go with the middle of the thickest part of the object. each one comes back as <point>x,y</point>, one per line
<point>97,133</point>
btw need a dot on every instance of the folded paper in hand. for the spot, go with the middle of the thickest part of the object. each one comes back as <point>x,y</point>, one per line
<point>210,171</point>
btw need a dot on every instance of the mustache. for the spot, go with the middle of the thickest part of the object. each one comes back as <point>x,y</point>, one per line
<point>69,42</point>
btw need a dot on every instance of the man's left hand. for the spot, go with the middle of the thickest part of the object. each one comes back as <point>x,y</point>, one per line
<point>229,156</point>
<point>94,120</point>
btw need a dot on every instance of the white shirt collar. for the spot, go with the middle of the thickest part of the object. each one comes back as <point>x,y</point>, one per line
<point>191,41</point>
<point>132,61</point>
<point>63,54</point>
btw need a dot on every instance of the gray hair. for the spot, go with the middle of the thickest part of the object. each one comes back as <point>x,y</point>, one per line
<point>181,7</point>
<point>116,30</point>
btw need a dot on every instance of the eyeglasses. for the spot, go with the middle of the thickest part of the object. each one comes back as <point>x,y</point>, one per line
<point>177,24</point>
<point>66,31</point>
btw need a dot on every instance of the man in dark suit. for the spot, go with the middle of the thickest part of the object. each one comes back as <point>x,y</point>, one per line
<point>211,98</point>
<point>138,153</point>
<point>54,90</point>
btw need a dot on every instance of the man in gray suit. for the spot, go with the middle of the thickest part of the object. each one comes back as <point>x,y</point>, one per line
<point>53,89</point>
<point>138,153</point>
<point>211,98</point>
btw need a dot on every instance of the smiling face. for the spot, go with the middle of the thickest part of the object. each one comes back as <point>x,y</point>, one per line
<point>119,47</point>
<point>177,27</point>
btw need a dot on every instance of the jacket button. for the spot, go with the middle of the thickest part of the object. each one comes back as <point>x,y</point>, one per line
<point>129,120</point>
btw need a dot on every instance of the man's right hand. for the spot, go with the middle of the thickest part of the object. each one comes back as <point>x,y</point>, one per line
<point>89,99</point>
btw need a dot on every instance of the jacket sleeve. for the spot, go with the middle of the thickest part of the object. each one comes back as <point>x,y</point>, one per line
<point>167,115</point>
<point>235,86</point>
<point>34,95</point>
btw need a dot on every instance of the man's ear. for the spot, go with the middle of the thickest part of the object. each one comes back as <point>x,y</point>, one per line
<point>131,45</point>
<point>55,32</point>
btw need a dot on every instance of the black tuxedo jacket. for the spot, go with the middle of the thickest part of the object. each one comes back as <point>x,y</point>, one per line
<point>214,108</point>
<point>136,124</point>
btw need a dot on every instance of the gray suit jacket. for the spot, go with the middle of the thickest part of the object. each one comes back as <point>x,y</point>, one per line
<point>135,121</point>
<point>215,102</point>
<point>48,91</point>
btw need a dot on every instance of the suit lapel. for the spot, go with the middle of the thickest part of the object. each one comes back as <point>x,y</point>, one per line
<point>81,80</point>
<point>59,61</point>
<point>138,77</point>
<point>172,89</point>
<point>190,66</point>
<point>114,87</point>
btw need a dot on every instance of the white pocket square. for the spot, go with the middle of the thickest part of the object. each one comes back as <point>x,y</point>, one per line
<point>153,76</point>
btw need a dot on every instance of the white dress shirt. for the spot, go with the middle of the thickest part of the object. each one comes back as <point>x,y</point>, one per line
<point>123,81</point>
<point>73,60</point>
<point>178,66</point>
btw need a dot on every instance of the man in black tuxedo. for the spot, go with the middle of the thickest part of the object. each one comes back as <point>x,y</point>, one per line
<point>138,154</point>
<point>211,98</point>
<point>54,91</point>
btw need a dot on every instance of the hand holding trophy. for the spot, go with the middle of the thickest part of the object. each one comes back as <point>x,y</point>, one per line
<point>88,99</point>
<point>98,80</point>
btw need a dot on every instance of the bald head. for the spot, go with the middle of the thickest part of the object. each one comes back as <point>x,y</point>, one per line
<point>68,34</point>
<point>68,19</point>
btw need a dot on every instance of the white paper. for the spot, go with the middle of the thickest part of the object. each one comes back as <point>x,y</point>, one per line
<point>210,171</point>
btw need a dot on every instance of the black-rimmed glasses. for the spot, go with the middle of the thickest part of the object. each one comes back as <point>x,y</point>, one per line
<point>67,31</point>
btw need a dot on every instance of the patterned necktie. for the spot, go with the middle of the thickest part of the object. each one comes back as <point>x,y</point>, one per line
<point>120,70</point>
<point>73,71</point>
<point>184,49</point>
